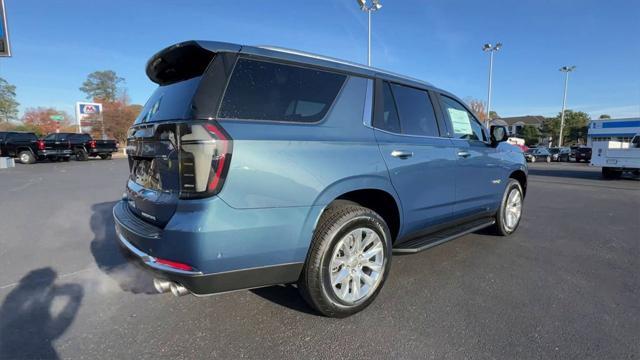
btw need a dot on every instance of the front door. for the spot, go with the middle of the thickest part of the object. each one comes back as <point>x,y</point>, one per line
<point>421,164</point>
<point>479,174</point>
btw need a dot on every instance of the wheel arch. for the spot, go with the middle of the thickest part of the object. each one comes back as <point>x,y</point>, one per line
<point>521,177</point>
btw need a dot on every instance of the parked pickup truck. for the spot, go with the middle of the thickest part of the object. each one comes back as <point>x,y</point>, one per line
<point>27,148</point>
<point>616,157</point>
<point>84,146</point>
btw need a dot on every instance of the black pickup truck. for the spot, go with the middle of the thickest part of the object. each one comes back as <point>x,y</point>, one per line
<point>28,148</point>
<point>84,146</point>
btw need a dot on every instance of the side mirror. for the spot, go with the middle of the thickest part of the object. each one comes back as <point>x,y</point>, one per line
<point>498,134</point>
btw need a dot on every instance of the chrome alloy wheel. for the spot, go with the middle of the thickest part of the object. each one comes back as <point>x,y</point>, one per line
<point>357,265</point>
<point>24,158</point>
<point>513,209</point>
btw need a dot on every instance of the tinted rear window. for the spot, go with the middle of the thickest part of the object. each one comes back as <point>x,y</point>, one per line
<point>416,111</point>
<point>170,102</point>
<point>23,136</point>
<point>261,90</point>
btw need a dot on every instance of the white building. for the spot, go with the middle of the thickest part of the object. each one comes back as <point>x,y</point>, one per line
<point>613,130</point>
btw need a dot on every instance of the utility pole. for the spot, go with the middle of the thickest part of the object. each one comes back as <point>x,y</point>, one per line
<point>375,6</point>
<point>566,70</point>
<point>491,49</point>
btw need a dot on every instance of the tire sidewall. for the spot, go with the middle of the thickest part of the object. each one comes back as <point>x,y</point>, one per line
<point>502,229</point>
<point>365,221</point>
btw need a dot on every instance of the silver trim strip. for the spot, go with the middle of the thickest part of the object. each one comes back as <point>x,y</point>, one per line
<point>368,105</point>
<point>150,261</point>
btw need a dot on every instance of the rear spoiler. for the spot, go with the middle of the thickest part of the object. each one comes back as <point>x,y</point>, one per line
<point>184,60</point>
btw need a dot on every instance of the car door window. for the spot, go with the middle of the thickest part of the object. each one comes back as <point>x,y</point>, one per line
<point>415,111</point>
<point>389,120</point>
<point>464,124</point>
<point>63,137</point>
<point>50,137</point>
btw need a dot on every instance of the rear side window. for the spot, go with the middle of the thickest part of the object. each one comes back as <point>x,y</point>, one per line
<point>169,102</point>
<point>416,111</point>
<point>261,90</point>
<point>389,120</point>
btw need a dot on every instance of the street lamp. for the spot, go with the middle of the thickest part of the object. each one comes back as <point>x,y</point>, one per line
<point>566,70</point>
<point>491,49</point>
<point>375,6</point>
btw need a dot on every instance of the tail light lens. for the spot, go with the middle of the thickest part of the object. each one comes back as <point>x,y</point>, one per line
<point>174,264</point>
<point>92,144</point>
<point>41,145</point>
<point>205,154</point>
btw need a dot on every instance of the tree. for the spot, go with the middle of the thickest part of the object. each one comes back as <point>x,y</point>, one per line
<point>8,103</point>
<point>39,120</point>
<point>530,134</point>
<point>604,116</point>
<point>478,109</point>
<point>493,115</point>
<point>118,116</point>
<point>575,127</point>
<point>102,86</point>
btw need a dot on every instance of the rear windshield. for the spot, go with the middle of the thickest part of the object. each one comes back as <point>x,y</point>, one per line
<point>260,90</point>
<point>170,102</point>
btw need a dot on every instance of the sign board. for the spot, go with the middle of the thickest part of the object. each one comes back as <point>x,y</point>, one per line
<point>5,49</point>
<point>56,118</point>
<point>88,115</point>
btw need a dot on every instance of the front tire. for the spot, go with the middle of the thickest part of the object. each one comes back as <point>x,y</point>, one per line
<point>81,155</point>
<point>510,211</point>
<point>348,262</point>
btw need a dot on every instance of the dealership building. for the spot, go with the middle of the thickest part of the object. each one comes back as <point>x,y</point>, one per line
<point>613,130</point>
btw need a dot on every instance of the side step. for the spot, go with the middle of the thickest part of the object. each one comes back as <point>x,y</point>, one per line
<point>437,238</point>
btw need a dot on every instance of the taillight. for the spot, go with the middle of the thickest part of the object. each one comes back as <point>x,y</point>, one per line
<point>205,154</point>
<point>41,145</point>
<point>92,144</point>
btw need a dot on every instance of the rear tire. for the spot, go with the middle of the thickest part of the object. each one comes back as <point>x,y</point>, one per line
<point>26,157</point>
<point>81,155</point>
<point>504,225</point>
<point>345,235</point>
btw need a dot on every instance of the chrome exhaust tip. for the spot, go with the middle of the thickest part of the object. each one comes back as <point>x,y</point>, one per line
<point>178,290</point>
<point>162,286</point>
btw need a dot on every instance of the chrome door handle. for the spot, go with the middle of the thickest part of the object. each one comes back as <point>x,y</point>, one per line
<point>464,154</point>
<point>401,154</point>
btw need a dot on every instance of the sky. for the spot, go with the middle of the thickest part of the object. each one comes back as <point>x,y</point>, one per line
<point>57,43</point>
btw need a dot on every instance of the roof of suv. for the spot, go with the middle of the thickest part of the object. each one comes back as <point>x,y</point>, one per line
<point>288,55</point>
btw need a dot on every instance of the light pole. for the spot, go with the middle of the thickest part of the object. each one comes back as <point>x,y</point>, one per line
<point>375,6</point>
<point>491,49</point>
<point>566,70</point>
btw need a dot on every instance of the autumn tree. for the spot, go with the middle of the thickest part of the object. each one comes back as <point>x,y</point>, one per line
<point>40,121</point>
<point>478,109</point>
<point>118,116</point>
<point>8,103</point>
<point>102,86</point>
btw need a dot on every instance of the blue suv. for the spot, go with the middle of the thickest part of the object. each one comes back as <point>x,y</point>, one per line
<point>255,166</point>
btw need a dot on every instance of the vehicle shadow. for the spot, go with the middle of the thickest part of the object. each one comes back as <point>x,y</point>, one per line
<point>110,257</point>
<point>36,313</point>
<point>285,295</point>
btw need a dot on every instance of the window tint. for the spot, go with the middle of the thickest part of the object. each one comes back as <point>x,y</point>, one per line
<point>464,124</point>
<point>415,110</point>
<point>267,91</point>
<point>169,102</point>
<point>389,120</point>
<point>63,137</point>
<point>50,137</point>
<point>23,136</point>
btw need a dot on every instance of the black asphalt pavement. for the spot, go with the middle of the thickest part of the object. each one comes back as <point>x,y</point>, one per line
<point>565,286</point>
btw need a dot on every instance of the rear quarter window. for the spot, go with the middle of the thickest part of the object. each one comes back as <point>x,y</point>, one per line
<point>260,90</point>
<point>170,102</point>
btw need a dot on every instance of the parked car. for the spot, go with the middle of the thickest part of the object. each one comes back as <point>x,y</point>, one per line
<point>254,166</point>
<point>537,154</point>
<point>28,148</point>
<point>84,146</point>
<point>582,154</point>
<point>560,153</point>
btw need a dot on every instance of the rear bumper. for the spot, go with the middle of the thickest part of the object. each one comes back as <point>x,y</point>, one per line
<point>135,234</point>
<point>54,152</point>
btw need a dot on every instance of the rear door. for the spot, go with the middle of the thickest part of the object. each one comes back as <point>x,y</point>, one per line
<point>63,143</point>
<point>50,143</point>
<point>479,176</point>
<point>421,163</point>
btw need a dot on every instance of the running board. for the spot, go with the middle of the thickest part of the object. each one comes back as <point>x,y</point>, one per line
<point>437,238</point>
